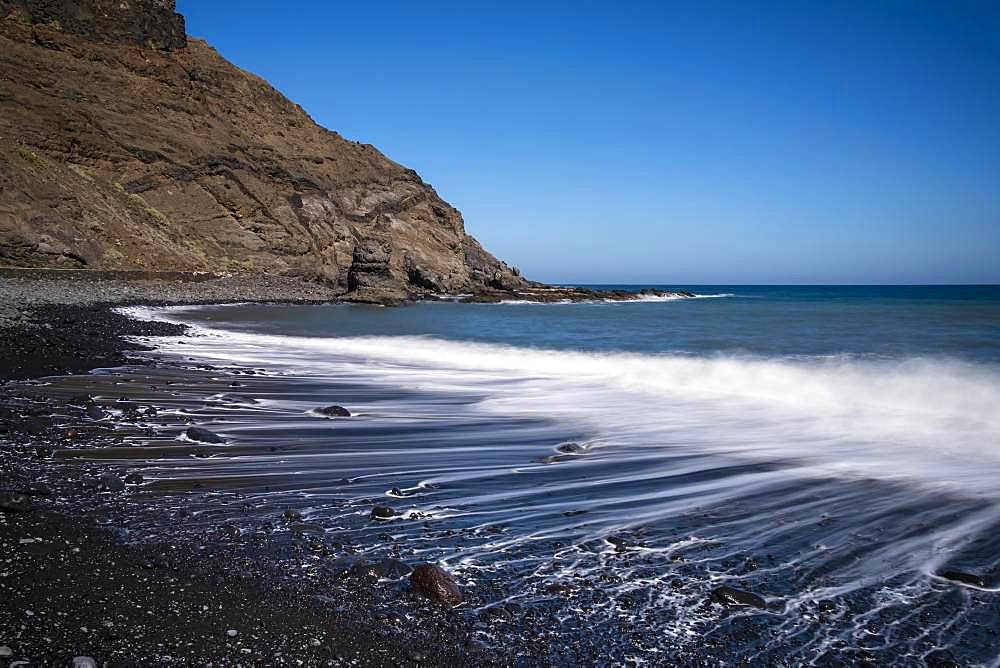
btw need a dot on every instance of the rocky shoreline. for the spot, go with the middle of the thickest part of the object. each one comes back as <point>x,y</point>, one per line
<point>76,581</point>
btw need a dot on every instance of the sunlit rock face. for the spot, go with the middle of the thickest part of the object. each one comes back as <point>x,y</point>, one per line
<point>126,145</point>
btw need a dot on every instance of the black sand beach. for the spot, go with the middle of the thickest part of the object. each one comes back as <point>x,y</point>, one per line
<point>75,582</point>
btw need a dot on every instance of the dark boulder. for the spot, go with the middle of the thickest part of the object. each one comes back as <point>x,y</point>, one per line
<point>964,578</point>
<point>382,513</point>
<point>203,435</point>
<point>435,583</point>
<point>95,412</point>
<point>333,411</point>
<point>732,596</point>
<point>134,479</point>
<point>569,448</point>
<point>81,400</point>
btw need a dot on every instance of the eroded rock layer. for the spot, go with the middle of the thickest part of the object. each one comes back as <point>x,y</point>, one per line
<point>125,144</point>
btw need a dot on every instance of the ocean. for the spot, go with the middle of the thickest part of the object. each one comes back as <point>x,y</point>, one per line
<point>598,470</point>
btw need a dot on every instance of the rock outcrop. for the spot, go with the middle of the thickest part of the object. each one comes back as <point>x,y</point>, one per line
<point>125,144</point>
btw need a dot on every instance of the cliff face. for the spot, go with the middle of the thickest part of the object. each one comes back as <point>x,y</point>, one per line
<point>126,145</point>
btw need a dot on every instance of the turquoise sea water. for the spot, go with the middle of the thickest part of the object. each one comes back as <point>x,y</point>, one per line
<point>892,321</point>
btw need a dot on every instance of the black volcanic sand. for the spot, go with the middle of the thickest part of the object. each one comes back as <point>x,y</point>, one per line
<point>74,582</point>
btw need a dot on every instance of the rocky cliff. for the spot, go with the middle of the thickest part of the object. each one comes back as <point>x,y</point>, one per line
<point>124,144</point>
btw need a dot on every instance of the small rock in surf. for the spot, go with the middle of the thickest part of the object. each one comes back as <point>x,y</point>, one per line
<point>333,411</point>
<point>203,435</point>
<point>435,583</point>
<point>109,482</point>
<point>569,448</point>
<point>733,596</point>
<point>382,513</point>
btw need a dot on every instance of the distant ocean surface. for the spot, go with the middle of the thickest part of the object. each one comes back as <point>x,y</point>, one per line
<point>833,449</point>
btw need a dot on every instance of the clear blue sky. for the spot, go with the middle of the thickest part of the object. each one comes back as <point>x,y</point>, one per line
<point>696,142</point>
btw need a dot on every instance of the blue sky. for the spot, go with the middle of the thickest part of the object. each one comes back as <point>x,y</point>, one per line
<point>696,142</point>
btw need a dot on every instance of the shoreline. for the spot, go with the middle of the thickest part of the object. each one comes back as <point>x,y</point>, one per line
<point>76,583</point>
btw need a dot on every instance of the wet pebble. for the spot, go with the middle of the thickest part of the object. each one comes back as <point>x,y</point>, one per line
<point>732,596</point>
<point>203,435</point>
<point>333,411</point>
<point>6,652</point>
<point>110,483</point>
<point>83,662</point>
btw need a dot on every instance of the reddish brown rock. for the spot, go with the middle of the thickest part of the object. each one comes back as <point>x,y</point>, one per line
<point>435,583</point>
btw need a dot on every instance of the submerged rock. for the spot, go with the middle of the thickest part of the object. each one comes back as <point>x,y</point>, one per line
<point>433,582</point>
<point>391,569</point>
<point>964,578</point>
<point>109,482</point>
<point>732,596</point>
<point>382,513</point>
<point>230,398</point>
<point>569,448</point>
<point>95,413</point>
<point>203,435</point>
<point>333,411</point>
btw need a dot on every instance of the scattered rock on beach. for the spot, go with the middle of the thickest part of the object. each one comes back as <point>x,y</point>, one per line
<point>203,435</point>
<point>433,582</point>
<point>333,411</point>
<point>382,513</point>
<point>964,578</point>
<point>732,596</point>
<point>109,482</point>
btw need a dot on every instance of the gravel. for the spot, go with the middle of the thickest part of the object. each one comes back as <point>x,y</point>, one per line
<point>21,290</point>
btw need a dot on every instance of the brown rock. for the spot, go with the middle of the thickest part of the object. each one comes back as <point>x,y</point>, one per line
<point>435,583</point>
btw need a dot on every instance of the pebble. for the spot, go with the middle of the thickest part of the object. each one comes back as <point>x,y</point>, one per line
<point>6,652</point>
<point>333,411</point>
<point>232,633</point>
<point>83,662</point>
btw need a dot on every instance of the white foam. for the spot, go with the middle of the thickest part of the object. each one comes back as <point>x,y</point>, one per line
<point>934,420</point>
<point>639,298</point>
